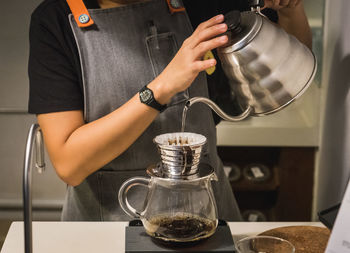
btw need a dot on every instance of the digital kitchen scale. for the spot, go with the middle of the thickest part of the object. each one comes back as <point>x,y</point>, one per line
<point>138,241</point>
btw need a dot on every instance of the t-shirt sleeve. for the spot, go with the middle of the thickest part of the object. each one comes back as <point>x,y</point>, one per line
<point>53,80</point>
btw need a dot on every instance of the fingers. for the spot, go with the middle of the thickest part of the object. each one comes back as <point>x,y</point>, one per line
<point>213,21</point>
<point>199,66</point>
<point>206,46</point>
<point>284,3</point>
<point>268,4</point>
<point>208,33</point>
<point>276,2</point>
<point>207,30</point>
<point>293,3</point>
<point>272,3</point>
<point>279,4</point>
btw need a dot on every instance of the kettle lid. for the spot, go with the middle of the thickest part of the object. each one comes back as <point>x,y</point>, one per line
<point>242,28</point>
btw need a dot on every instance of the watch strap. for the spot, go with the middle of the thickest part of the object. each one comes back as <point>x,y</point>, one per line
<point>147,97</point>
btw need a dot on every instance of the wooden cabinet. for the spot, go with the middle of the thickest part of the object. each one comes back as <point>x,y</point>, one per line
<point>286,194</point>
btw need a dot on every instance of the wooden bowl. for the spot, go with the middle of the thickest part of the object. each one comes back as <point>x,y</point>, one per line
<point>306,239</point>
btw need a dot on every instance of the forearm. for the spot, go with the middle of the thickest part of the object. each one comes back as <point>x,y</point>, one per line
<point>93,145</point>
<point>294,21</point>
<point>90,146</point>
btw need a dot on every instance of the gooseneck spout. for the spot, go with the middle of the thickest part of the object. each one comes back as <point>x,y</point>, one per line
<point>217,109</point>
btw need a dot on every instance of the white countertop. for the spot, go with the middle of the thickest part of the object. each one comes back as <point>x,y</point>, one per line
<point>106,237</point>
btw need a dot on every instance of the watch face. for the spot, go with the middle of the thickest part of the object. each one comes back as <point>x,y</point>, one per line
<point>145,95</point>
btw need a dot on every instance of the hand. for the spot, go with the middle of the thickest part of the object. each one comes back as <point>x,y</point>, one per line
<point>188,62</point>
<point>280,4</point>
<point>292,18</point>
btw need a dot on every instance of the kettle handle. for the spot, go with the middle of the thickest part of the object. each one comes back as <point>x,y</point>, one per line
<point>123,192</point>
<point>256,3</point>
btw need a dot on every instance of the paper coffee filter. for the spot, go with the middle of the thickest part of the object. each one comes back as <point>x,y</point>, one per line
<point>180,139</point>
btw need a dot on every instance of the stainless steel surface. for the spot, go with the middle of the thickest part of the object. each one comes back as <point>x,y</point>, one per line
<point>204,170</point>
<point>180,152</point>
<point>267,68</point>
<point>256,9</point>
<point>269,71</point>
<point>34,139</point>
<point>40,152</point>
<point>250,26</point>
<point>217,109</point>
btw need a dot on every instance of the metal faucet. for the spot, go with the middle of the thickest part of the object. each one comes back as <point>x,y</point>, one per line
<point>34,139</point>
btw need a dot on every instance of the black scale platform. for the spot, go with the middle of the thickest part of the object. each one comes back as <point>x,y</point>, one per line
<point>137,241</point>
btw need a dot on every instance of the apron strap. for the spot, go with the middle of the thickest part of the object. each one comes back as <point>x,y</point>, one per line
<point>83,19</point>
<point>80,13</point>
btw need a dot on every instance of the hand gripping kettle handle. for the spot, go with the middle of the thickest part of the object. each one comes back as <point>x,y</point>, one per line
<point>123,192</point>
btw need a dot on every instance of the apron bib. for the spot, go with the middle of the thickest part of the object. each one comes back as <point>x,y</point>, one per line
<point>125,49</point>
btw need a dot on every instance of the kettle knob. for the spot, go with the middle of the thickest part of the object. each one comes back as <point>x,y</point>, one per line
<point>233,21</point>
<point>256,3</point>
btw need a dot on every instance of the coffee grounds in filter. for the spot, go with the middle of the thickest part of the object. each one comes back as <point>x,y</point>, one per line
<point>178,141</point>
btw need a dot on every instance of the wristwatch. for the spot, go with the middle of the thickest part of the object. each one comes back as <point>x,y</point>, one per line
<point>147,97</point>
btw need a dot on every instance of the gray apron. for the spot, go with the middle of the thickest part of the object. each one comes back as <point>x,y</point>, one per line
<point>126,49</point>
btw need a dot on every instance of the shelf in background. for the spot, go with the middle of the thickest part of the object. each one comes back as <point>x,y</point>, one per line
<point>271,184</point>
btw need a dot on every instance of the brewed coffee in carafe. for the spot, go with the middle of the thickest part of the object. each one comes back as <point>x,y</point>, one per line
<point>188,226</point>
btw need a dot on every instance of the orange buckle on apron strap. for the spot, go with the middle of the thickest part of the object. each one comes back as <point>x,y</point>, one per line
<point>80,13</point>
<point>175,6</point>
<point>83,19</point>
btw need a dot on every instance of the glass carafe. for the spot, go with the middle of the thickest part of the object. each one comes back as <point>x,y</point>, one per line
<point>180,204</point>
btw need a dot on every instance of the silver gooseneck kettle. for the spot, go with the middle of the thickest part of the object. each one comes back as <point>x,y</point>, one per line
<point>267,68</point>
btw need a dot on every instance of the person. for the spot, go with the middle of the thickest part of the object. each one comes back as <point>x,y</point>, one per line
<point>85,86</point>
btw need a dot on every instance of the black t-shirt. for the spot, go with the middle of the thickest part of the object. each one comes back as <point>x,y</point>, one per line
<point>54,66</point>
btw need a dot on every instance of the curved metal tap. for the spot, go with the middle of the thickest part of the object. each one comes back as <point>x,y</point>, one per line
<point>34,139</point>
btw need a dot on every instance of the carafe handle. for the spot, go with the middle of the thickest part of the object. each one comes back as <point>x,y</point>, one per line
<point>123,192</point>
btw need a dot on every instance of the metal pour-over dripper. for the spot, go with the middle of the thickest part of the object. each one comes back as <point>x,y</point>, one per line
<point>180,153</point>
